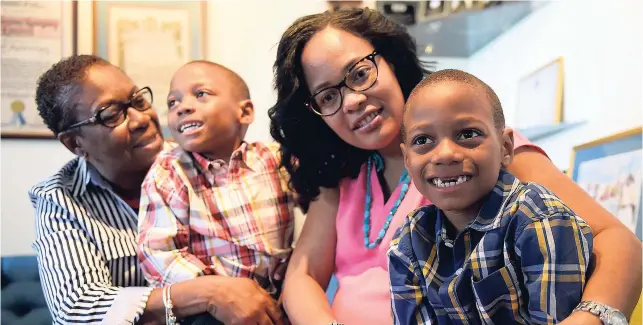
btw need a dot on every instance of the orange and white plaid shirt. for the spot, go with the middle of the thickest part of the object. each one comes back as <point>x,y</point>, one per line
<point>200,217</point>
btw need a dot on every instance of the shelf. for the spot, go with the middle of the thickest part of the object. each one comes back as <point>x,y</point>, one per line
<point>463,33</point>
<point>544,131</point>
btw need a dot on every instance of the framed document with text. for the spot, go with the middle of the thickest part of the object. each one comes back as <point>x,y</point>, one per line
<point>35,35</point>
<point>150,40</point>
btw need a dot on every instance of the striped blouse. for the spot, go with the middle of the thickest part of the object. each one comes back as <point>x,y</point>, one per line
<point>86,249</point>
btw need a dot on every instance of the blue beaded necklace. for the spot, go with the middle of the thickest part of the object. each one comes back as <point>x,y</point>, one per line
<point>405,179</point>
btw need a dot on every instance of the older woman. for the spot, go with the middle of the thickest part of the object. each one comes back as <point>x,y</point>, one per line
<point>86,214</point>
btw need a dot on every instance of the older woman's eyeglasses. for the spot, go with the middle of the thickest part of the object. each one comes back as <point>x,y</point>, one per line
<point>361,76</point>
<point>115,114</point>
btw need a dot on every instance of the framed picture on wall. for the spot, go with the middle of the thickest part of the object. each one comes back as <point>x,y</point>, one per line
<point>150,40</point>
<point>35,35</point>
<point>540,97</point>
<point>609,169</point>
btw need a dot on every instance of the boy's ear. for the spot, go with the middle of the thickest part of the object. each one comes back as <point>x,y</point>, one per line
<point>71,140</point>
<point>406,160</point>
<point>507,141</point>
<point>246,112</point>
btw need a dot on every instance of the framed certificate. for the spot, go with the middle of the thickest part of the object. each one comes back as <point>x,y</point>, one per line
<point>35,35</point>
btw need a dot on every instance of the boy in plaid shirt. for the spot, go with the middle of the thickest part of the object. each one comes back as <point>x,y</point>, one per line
<point>492,250</point>
<point>214,205</point>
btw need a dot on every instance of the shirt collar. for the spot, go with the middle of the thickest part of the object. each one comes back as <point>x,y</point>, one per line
<point>241,155</point>
<point>86,173</point>
<point>493,207</point>
<point>490,214</point>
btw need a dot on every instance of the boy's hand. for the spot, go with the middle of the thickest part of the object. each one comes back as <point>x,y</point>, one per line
<point>237,301</point>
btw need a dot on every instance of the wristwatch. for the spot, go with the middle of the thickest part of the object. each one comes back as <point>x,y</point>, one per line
<point>607,314</point>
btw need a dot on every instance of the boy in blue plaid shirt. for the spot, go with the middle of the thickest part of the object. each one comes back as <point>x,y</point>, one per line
<point>492,250</point>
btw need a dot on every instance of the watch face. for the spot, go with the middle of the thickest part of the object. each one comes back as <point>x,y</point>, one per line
<point>617,318</point>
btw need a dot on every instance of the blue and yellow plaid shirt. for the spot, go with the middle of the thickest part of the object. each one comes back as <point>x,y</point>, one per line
<point>523,260</point>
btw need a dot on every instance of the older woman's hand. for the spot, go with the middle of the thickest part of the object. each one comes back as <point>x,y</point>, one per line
<point>241,301</point>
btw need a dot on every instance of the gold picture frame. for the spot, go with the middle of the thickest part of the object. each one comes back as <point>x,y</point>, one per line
<point>540,96</point>
<point>609,169</point>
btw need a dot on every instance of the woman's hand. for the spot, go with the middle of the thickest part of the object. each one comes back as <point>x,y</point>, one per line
<point>230,300</point>
<point>242,301</point>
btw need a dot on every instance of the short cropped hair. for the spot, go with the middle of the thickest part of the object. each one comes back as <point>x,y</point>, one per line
<point>459,76</point>
<point>238,83</point>
<point>59,87</point>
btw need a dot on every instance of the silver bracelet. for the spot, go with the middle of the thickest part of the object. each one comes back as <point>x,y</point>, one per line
<point>170,319</point>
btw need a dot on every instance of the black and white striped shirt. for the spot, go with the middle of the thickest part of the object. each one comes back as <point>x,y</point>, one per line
<point>86,248</point>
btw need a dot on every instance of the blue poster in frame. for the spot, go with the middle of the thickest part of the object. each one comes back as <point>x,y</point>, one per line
<point>150,40</point>
<point>609,169</point>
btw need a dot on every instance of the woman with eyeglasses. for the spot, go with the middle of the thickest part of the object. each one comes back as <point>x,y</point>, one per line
<point>86,214</point>
<point>342,79</point>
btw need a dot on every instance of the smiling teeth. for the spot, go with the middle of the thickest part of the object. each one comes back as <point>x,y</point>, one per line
<point>189,126</point>
<point>368,119</point>
<point>450,181</point>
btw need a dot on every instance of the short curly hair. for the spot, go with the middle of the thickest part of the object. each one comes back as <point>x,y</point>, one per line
<point>459,76</point>
<point>311,152</point>
<point>58,89</point>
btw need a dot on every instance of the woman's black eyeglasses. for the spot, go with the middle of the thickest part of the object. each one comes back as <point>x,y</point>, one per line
<point>115,114</point>
<point>361,76</point>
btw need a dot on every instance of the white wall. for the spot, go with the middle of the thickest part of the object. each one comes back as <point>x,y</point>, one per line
<point>602,45</point>
<point>241,35</point>
<point>24,163</point>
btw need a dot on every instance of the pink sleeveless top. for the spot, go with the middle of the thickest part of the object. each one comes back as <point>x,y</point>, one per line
<point>363,296</point>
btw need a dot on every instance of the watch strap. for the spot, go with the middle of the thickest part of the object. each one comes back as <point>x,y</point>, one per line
<point>598,309</point>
